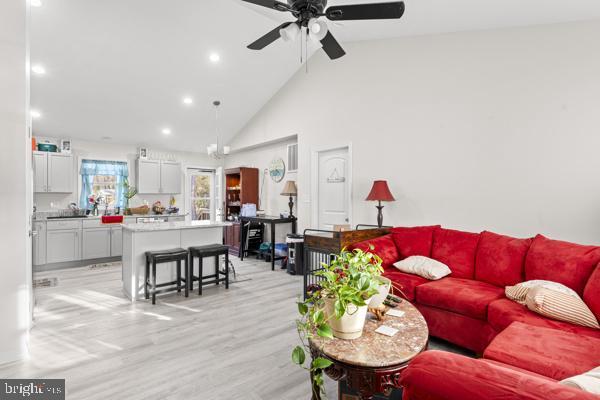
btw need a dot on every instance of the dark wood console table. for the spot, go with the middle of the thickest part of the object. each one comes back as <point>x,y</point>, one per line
<point>372,364</point>
<point>272,221</point>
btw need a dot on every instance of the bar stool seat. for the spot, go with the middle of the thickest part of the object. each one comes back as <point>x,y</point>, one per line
<point>153,258</point>
<point>210,250</point>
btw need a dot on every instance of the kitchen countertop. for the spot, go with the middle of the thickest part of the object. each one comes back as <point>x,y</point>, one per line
<point>93,217</point>
<point>170,226</point>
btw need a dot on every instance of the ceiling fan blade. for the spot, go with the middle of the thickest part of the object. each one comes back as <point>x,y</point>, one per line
<point>332,47</point>
<point>275,5</point>
<point>366,11</point>
<point>268,38</point>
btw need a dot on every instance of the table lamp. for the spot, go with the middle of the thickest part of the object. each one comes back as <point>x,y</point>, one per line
<point>380,192</point>
<point>291,190</point>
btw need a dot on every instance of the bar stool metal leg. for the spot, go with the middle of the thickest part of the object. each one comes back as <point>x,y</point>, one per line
<point>146,279</point>
<point>187,278</point>
<point>217,269</point>
<point>200,272</point>
<point>227,270</point>
<point>154,282</point>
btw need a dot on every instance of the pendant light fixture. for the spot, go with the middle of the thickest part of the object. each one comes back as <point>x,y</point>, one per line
<point>215,150</point>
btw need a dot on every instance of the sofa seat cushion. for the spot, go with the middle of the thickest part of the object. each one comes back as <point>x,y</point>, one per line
<point>462,296</point>
<point>550,352</point>
<point>415,241</point>
<point>503,312</point>
<point>563,262</point>
<point>500,259</point>
<point>457,250</point>
<point>406,282</point>
<point>382,246</point>
<point>591,293</point>
<point>439,375</point>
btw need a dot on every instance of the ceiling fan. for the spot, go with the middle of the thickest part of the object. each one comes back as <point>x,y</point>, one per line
<point>307,14</point>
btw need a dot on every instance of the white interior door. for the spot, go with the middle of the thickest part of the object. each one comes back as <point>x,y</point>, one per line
<point>333,188</point>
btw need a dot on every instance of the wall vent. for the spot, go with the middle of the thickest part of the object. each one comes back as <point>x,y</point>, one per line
<point>292,157</point>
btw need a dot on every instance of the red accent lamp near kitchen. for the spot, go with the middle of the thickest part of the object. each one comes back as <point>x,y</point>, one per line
<point>380,192</point>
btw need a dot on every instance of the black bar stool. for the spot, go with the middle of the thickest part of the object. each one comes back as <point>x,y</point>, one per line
<point>161,257</point>
<point>211,250</point>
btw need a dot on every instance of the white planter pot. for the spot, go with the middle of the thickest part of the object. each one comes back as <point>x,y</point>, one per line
<point>351,325</point>
<point>380,297</point>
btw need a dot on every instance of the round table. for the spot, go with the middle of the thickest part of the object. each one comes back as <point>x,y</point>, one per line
<point>372,364</point>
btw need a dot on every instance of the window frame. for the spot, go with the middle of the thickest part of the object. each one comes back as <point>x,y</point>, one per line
<point>214,190</point>
<point>80,159</point>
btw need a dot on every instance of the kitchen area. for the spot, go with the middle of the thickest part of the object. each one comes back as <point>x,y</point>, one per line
<point>75,225</point>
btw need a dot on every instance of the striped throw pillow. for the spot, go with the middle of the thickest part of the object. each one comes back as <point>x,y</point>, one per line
<point>519,291</point>
<point>560,306</point>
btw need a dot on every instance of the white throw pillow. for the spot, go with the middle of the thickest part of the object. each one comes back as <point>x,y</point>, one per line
<point>519,291</point>
<point>423,266</point>
<point>588,382</point>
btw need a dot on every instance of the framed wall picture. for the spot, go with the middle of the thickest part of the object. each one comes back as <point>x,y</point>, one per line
<point>277,169</point>
<point>65,146</point>
<point>143,153</point>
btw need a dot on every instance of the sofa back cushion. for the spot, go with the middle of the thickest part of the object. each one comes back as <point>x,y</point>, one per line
<point>457,250</point>
<point>383,246</point>
<point>500,259</point>
<point>591,293</point>
<point>563,262</point>
<point>415,241</point>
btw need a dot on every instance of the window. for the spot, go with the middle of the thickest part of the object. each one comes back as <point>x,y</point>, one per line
<point>201,194</point>
<point>105,180</point>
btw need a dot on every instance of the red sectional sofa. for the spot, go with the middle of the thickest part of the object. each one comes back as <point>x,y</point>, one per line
<point>469,308</point>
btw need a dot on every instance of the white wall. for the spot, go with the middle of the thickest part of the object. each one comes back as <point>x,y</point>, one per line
<point>118,152</point>
<point>272,202</point>
<point>490,130</point>
<point>15,181</point>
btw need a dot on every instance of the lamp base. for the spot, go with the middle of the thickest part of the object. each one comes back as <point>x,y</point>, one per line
<point>291,205</point>
<point>379,215</point>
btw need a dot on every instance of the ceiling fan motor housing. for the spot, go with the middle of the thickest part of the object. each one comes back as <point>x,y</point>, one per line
<point>308,9</point>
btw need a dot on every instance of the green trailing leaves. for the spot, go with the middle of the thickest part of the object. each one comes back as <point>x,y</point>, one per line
<point>302,308</point>
<point>325,331</point>
<point>298,356</point>
<point>321,363</point>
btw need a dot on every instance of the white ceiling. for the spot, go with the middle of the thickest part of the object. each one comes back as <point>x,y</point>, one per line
<point>120,68</point>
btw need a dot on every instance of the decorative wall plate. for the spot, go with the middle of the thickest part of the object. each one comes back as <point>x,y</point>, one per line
<point>277,169</point>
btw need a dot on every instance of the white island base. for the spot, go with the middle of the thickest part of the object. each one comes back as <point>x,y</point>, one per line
<point>140,238</point>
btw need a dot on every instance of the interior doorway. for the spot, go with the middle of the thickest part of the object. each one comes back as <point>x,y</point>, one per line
<point>332,187</point>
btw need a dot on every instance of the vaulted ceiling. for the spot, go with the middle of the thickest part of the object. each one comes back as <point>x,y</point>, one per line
<point>117,70</point>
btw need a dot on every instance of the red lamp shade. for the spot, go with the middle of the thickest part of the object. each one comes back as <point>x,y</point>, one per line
<point>380,192</point>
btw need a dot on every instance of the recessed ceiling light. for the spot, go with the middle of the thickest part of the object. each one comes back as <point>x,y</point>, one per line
<point>214,57</point>
<point>166,131</point>
<point>35,114</point>
<point>38,69</point>
<point>188,100</point>
<point>36,3</point>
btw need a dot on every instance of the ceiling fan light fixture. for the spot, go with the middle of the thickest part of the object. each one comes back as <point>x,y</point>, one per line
<point>290,32</point>
<point>317,29</point>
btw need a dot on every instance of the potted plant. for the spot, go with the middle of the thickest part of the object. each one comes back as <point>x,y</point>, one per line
<point>129,193</point>
<point>337,306</point>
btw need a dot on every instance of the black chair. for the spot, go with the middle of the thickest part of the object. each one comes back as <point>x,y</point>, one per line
<point>161,257</point>
<point>211,250</point>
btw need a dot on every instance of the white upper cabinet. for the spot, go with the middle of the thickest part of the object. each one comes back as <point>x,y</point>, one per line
<point>60,173</point>
<point>158,177</point>
<point>148,176</point>
<point>40,172</point>
<point>170,177</point>
<point>53,172</point>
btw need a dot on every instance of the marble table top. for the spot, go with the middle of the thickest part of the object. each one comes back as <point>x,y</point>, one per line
<point>169,226</point>
<point>375,350</point>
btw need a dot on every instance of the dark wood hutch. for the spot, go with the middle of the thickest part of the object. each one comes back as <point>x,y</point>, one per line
<point>241,187</point>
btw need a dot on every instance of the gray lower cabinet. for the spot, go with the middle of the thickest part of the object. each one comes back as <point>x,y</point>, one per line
<point>96,243</point>
<point>63,245</point>
<point>39,243</point>
<point>116,241</point>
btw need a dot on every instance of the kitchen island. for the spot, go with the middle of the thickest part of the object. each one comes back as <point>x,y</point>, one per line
<point>143,237</point>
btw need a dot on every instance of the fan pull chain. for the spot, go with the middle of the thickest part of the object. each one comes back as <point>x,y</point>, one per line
<point>306,50</point>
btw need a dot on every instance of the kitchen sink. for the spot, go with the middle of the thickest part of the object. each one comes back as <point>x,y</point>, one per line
<point>69,217</point>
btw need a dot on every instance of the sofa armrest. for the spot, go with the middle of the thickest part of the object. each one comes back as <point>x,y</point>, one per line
<point>438,375</point>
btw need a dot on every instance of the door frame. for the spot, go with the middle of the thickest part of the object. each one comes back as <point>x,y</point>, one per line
<point>186,190</point>
<point>314,179</point>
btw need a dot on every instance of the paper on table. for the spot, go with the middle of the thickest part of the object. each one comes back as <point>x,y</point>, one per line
<point>386,330</point>
<point>395,313</point>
